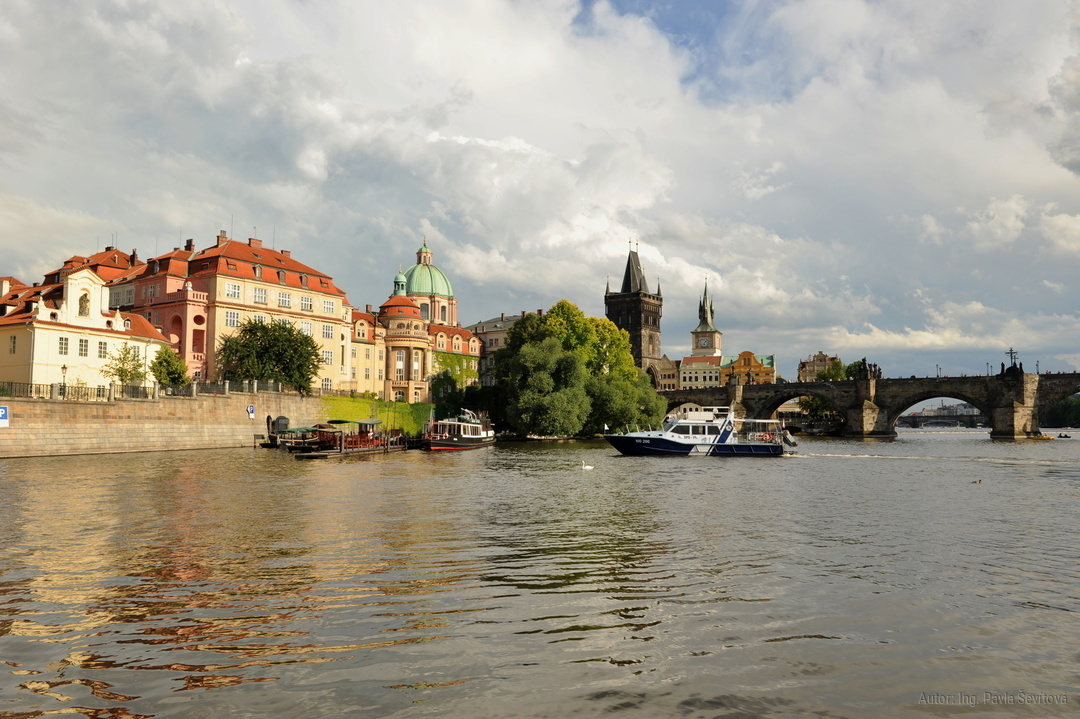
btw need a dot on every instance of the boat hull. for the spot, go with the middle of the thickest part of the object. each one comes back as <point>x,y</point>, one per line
<point>637,446</point>
<point>451,444</point>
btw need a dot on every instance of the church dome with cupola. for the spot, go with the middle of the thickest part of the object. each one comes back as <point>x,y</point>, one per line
<point>424,278</point>
<point>430,289</point>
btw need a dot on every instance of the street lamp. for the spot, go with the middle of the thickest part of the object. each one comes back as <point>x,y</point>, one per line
<point>63,380</point>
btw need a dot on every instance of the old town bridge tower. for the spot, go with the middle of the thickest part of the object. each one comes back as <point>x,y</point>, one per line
<point>637,311</point>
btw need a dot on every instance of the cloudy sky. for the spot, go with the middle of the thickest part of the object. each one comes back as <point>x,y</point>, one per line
<point>895,180</point>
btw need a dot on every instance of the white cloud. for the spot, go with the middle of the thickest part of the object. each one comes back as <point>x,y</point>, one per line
<point>771,156</point>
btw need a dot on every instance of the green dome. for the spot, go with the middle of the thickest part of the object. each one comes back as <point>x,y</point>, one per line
<point>425,279</point>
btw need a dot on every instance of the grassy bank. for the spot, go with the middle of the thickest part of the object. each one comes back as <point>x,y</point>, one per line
<point>409,418</point>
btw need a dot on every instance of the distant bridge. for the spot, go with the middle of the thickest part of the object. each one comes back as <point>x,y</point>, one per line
<point>871,407</point>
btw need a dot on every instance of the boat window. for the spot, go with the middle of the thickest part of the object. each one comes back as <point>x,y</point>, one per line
<point>681,429</point>
<point>713,429</point>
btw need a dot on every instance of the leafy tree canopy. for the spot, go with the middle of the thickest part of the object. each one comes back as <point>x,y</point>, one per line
<point>530,397</point>
<point>545,390</point>
<point>169,368</point>
<point>269,352</point>
<point>125,365</point>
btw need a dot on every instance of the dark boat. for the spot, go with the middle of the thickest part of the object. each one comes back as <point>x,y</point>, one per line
<point>467,431</point>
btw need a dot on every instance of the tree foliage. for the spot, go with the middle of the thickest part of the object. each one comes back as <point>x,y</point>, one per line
<point>125,365</point>
<point>565,373</point>
<point>169,368</point>
<point>269,352</point>
<point>817,408</point>
<point>545,390</point>
<point>1065,413</point>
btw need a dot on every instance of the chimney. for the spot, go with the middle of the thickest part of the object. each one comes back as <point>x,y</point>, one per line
<point>287,253</point>
<point>367,309</point>
<point>109,248</point>
<point>222,238</point>
<point>252,242</point>
<point>539,313</point>
<point>503,315</point>
<point>134,259</point>
<point>189,246</point>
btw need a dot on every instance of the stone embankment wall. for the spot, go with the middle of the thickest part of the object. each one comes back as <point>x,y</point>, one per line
<point>41,427</point>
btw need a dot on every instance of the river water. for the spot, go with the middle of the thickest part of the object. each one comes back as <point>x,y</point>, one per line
<point>934,575</point>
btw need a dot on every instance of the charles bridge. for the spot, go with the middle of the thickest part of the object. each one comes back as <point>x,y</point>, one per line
<point>870,407</point>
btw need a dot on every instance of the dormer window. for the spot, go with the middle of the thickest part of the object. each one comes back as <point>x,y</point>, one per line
<point>127,324</point>
<point>281,277</point>
<point>257,270</point>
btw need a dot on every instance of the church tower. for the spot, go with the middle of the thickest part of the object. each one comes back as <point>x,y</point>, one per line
<point>637,311</point>
<point>706,338</point>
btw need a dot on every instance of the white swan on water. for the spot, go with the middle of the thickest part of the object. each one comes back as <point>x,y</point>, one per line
<point>585,466</point>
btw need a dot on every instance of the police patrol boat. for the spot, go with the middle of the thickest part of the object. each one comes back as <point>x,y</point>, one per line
<point>707,431</point>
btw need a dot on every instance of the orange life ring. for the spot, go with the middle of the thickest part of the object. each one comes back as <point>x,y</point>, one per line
<point>766,437</point>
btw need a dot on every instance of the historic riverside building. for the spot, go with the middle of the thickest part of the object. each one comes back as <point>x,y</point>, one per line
<point>707,366</point>
<point>198,297</point>
<point>190,299</point>
<point>63,332</point>
<point>634,309</point>
<point>809,367</point>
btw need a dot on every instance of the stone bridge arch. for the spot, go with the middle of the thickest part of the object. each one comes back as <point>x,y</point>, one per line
<point>871,407</point>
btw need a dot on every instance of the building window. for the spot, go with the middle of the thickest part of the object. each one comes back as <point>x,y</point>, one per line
<point>284,299</point>
<point>354,353</point>
<point>399,365</point>
<point>13,341</point>
<point>102,350</point>
<point>457,343</point>
<point>151,290</point>
<point>260,296</point>
<point>84,348</point>
<point>305,327</point>
<point>303,280</point>
<point>306,304</point>
<point>328,332</point>
<point>232,319</point>
<point>328,306</point>
<point>257,270</point>
<point>260,318</point>
<point>367,373</point>
<point>380,374</point>
<point>281,277</point>
<point>442,311</point>
<point>416,366</point>
<point>63,345</point>
<point>232,290</point>
<point>424,310</point>
<point>327,384</point>
<point>328,356</point>
<point>367,353</point>
<point>442,342</point>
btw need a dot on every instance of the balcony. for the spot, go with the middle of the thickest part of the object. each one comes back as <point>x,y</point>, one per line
<point>181,296</point>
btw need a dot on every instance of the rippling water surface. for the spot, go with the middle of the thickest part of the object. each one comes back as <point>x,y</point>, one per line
<point>934,575</point>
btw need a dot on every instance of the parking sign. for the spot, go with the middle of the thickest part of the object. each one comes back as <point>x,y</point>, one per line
<point>3,416</point>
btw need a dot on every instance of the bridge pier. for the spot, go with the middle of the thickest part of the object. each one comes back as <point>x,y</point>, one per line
<point>871,407</point>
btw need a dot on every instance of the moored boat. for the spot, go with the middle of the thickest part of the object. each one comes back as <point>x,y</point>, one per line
<point>707,431</point>
<point>466,431</point>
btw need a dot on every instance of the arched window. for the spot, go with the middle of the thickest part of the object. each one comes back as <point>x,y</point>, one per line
<point>457,343</point>
<point>442,314</point>
<point>424,310</point>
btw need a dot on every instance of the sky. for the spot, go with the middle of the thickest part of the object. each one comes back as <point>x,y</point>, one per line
<point>891,180</point>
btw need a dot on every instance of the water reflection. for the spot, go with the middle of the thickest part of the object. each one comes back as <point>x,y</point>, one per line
<point>245,583</point>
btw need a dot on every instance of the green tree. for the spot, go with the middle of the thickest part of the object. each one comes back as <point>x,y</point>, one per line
<point>269,352</point>
<point>817,408</point>
<point>169,368</point>
<point>617,392</point>
<point>544,390</point>
<point>125,365</point>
